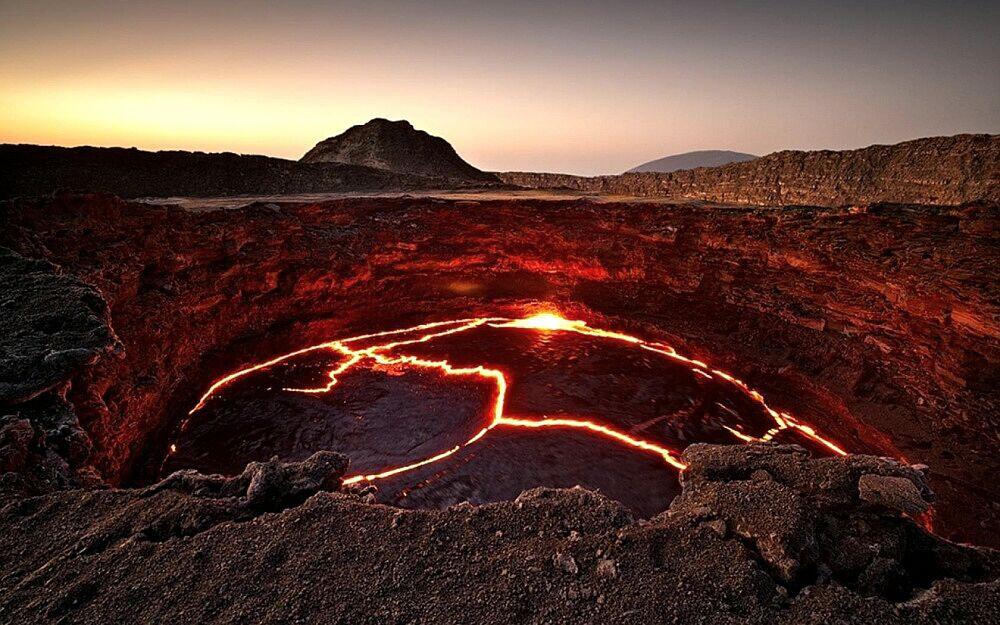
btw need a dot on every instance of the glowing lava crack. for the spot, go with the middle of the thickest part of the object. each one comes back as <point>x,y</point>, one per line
<point>380,354</point>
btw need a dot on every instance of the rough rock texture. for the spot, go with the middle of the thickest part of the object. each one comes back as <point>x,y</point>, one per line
<point>692,160</point>
<point>892,492</point>
<point>879,326</point>
<point>935,170</point>
<point>31,170</point>
<point>397,147</point>
<point>781,502</point>
<point>761,535</point>
<point>52,327</point>
<point>43,448</point>
<point>263,486</point>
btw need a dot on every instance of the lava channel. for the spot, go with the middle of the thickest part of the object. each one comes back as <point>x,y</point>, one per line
<point>550,401</point>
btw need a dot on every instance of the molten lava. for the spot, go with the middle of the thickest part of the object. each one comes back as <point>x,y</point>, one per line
<point>385,354</point>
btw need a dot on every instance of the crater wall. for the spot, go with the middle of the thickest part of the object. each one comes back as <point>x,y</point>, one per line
<point>877,324</point>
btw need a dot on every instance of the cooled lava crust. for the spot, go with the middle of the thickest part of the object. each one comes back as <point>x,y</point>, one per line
<point>875,325</point>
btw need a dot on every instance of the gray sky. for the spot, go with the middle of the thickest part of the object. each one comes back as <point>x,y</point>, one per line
<point>577,87</point>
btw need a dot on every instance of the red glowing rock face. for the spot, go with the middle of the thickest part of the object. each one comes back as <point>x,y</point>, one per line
<point>872,325</point>
<point>400,351</point>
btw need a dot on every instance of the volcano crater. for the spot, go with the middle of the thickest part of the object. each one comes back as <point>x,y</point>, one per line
<point>828,314</point>
<point>481,409</point>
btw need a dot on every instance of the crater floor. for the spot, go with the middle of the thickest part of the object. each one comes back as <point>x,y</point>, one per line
<point>481,409</point>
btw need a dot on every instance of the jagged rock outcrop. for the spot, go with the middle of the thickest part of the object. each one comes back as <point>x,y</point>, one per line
<point>693,160</point>
<point>790,507</point>
<point>34,170</point>
<point>761,534</point>
<point>52,327</point>
<point>397,147</point>
<point>935,170</point>
<point>271,485</point>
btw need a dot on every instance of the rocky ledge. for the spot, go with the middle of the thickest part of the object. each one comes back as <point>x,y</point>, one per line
<point>934,170</point>
<point>52,327</point>
<point>761,534</point>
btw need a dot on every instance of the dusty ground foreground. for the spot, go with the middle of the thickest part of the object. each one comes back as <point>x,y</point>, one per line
<point>762,534</point>
<point>876,324</point>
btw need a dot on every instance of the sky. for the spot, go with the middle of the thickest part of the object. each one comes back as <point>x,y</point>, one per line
<point>575,87</point>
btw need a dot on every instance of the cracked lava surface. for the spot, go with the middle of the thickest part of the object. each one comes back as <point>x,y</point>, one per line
<point>479,409</point>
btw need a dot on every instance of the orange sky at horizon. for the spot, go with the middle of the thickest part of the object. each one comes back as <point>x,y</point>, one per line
<point>531,89</point>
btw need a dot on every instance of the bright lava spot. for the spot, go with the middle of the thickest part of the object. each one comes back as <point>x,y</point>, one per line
<point>378,354</point>
<point>545,321</point>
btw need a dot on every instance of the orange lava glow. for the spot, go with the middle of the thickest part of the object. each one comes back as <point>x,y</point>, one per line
<point>541,322</point>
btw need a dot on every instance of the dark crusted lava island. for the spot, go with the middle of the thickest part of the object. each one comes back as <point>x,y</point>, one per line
<point>854,290</point>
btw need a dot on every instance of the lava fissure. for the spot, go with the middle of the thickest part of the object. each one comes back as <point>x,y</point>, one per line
<point>544,322</point>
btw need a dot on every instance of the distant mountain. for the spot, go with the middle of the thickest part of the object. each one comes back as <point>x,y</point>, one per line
<point>397,147</point>
<point>691,160</point>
